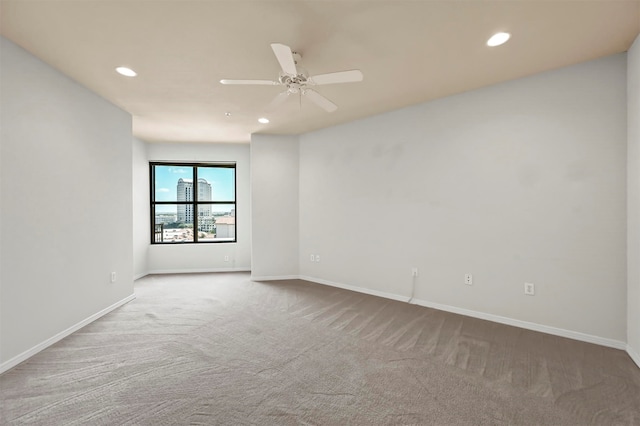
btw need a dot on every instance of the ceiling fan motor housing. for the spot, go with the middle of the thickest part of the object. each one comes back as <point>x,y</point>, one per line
<point>294,84</point>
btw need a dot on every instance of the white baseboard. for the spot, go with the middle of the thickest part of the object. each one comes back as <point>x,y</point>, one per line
<point>274,277</point>
<point>575,335</point>
<point>634,355</point>
<point>137,277</point>
<point>199,270</point>
<point>391,296</point>
<point>50,341</point>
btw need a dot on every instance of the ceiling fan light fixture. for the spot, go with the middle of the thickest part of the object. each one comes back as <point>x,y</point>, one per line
<point>263,120</point>
<point>127,72</point>
<point>498,39</point>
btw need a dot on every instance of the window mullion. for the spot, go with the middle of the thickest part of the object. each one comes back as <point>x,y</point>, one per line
<point>196,188</point>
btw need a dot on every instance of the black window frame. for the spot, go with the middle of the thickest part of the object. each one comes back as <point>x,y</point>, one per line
<point>194,203</point>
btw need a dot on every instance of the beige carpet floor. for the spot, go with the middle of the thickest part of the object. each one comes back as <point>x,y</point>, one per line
<point>220,349</point>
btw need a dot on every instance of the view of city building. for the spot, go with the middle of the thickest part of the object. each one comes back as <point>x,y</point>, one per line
<point>185,193</point>
<point>214,222</point>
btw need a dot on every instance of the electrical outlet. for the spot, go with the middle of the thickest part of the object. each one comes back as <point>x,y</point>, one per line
<point>312,258</point>
<point>113,277</point>
<point>529,289</point>
<point>468,279</point>
<point>414,272</point>
<point>226,258</point>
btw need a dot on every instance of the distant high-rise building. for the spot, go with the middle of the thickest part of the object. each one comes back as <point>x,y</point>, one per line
<point>185,193</point>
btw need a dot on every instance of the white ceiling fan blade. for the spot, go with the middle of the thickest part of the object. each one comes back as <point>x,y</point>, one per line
<point>320,100</point>
<point>337,77</point>
<point>278,100</point>
<point>260,82</point>
<point>285,58</point>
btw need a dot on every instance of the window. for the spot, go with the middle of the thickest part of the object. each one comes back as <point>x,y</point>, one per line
<point>182,212</point>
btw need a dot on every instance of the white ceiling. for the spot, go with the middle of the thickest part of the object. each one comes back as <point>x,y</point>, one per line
<point>409,51</point>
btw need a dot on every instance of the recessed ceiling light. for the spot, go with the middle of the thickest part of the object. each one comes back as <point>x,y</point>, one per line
<point>498,38</point>
<point>126,71</point>
<point>227,114</point>
<point>263,120</point>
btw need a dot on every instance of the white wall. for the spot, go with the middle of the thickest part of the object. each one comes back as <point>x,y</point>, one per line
<point>206,257</point>
<point>520,182</point>
<point>141,209</point>
<point>633,201</point>
<point>274,204</point>
<point>66,203</point>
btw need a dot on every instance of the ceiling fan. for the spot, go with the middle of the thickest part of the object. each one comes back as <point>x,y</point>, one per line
<point>296,79</point>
